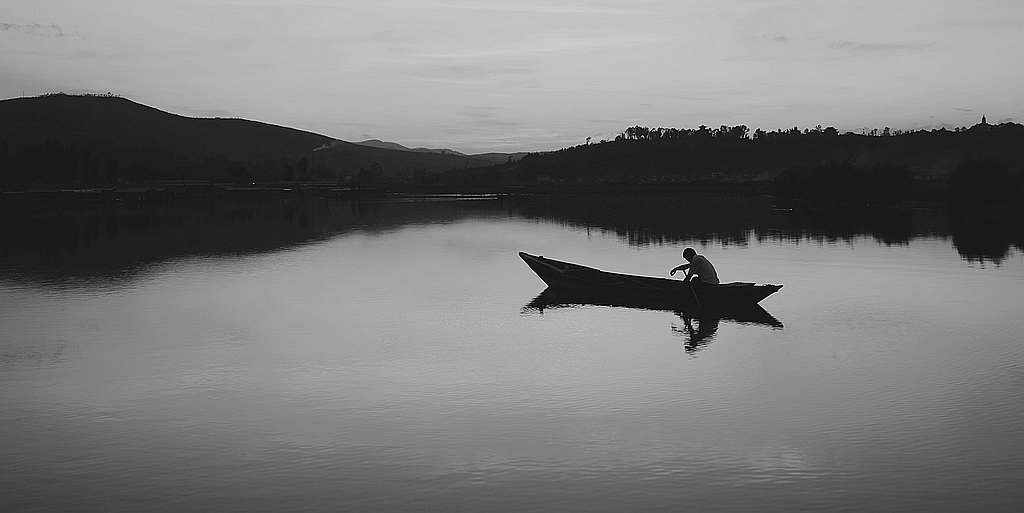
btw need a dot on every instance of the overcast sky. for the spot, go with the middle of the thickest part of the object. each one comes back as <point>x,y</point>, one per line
<point>511,75</point>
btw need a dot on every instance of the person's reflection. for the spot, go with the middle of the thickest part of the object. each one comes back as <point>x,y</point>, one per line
<point>699,336</point>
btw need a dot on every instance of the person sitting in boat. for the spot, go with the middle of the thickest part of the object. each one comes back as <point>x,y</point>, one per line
<point>698,265</point>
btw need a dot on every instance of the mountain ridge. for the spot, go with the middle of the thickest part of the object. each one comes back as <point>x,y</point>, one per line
<point>103,138</point>
<point>93,139</point>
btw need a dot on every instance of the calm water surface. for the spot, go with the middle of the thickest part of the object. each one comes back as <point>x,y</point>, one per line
<point>382,356</point>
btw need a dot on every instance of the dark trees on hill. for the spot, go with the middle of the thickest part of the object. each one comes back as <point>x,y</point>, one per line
<point>370,176</point>
<point>886,183</point>
<point>56,162</point>
<point>988,182</point>
<point>684,154</point>
<point>817,163</point>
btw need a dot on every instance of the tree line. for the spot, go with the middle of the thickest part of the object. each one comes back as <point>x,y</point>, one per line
<point>642,154</point>
<point>638,133</point>
<point>981,163</point>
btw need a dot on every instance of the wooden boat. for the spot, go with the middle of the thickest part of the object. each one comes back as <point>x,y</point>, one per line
<point>579,278</point>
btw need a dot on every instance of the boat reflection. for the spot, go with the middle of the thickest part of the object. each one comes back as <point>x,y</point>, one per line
<point>699,324</point>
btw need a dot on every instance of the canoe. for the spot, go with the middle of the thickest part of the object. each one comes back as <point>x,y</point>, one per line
<point>567,276</point>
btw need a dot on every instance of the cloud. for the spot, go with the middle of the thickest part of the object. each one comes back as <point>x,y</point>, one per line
<point>546,7</point>
<point>548,45</point>
<point>465,72</point>
<point>480,112</point>
<point>877,47</point>
<point>37,29</point>
<point>961,109</point>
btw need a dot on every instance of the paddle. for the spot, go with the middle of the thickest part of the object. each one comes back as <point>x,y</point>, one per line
<point>689,282</point>
<point>694,292</point>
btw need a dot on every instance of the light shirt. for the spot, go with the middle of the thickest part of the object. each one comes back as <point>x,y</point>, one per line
<point>704,270</point>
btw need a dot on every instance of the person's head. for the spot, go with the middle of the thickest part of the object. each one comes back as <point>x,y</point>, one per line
<point>689,253</point>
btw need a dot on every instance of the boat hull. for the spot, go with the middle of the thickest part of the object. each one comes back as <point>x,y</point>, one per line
<point>567,276</point>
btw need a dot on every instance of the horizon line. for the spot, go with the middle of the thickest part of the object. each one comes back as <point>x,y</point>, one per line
<point>587,140</point>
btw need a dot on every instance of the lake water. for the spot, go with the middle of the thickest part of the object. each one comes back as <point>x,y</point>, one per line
<point>303,354</point>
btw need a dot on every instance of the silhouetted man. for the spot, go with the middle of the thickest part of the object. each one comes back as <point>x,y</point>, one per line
<point>698,265</point>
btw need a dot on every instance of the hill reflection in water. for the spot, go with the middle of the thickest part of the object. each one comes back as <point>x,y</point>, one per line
<point>50,240</point>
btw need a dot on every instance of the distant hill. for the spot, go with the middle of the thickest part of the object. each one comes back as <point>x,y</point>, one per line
<point>119,121</point>
<point>501,158</point>
<point>62,138</point>
<point>494,158</point>
<point>377,143</point>
<point>376,164</point>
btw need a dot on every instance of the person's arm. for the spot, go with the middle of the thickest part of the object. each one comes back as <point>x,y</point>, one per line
<point>678,268</point>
